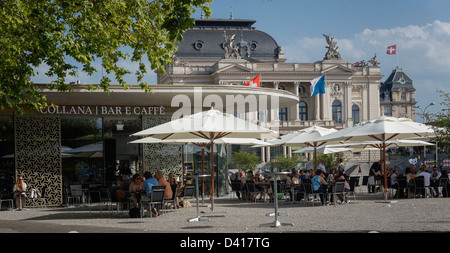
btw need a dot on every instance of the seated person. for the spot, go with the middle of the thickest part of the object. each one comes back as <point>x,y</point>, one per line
<point>125,184</point>
<point>135,187</point>
<point>19,192</point>
<point>296,181</point>
<point>180,189</point>
<point>320,185</point>
<point>168,194</point>
<point>149,182</point>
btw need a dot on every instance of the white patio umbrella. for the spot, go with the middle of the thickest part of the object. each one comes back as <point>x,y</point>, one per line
<point>239,141</point>
<point>310,137</point>
<point>381,129</point>
<point>201,142</point>
<point>326,149</point>
<point>279,141</point>
<point>209,125</point>
<point>388,144</point>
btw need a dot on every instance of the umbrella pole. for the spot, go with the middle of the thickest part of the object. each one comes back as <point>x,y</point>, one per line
<point>203,172</point>
<point>212,174</point>
<point>385,171</point>
<point>315,158</point>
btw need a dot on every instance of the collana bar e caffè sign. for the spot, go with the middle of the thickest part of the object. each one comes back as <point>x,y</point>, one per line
<point>103,110</point>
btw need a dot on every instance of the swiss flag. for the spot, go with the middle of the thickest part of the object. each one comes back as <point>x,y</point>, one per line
<point>254,82</point>
<point>392,49</point>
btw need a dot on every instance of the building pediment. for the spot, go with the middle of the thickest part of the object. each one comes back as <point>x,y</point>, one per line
<point>338,69</point>
<point>231,68</point>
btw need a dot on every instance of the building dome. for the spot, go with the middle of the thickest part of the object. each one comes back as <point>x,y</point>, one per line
<point>206,40</point>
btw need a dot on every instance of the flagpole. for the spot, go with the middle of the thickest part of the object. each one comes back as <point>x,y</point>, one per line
<point>396,54</point>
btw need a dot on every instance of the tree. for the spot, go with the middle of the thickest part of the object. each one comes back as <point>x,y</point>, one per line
<point>245,161</point>
<point>330,161</point>
<point>441,121</point>
<point>283,163</point>
<point>52,31</point>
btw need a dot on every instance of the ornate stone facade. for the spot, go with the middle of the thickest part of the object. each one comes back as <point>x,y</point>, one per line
<point>397,95</point>
<point>347,86</point>
<point>352,90</point>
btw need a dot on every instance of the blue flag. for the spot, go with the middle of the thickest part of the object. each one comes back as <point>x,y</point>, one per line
<point>318,85</point>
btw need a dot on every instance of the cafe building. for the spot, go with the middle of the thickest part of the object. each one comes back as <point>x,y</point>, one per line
<point>84,138</point>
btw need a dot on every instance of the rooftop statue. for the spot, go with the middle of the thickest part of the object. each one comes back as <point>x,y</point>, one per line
<point>231,51</point>
<point>374,61</point>
<point>333,49</point>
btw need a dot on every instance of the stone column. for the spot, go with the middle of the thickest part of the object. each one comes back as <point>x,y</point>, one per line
<point>295,107</point>
<point>317,107</point>
<point>348,104</point>
<point>326,104</point>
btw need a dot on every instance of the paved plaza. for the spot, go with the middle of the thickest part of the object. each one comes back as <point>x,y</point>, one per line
<point>369,213</point>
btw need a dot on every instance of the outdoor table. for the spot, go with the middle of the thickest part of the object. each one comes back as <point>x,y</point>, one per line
<point>20,208</point>
<point>276,223</point>
<point>198,218</point>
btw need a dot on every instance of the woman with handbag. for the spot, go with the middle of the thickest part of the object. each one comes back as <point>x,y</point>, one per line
<point>20,189</point>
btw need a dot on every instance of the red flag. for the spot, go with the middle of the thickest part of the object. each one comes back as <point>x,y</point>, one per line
<point>392,49</point>
<point>358,64</point>
<point>254,82</point>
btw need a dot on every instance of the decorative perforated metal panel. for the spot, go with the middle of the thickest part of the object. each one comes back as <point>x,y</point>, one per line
<point>164,157</point>
<point>38,156</point>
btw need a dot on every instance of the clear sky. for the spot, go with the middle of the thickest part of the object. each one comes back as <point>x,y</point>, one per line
<point>362,28</point>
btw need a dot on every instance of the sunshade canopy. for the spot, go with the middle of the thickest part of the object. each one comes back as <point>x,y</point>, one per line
<point>211,124</point>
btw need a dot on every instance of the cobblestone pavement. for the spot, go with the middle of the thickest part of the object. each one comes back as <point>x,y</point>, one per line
<point>368,213</point>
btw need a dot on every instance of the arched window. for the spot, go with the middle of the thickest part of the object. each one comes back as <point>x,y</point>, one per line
<point>262,116</point>
<point>302,111</point>
<point>355,114</point>
<point>283,114</point>
<point>337,111</point>
<point>281,87</point>
<point>301,90</point>
<point>388,111</point>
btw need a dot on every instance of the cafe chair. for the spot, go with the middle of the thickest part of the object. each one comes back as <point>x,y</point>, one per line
<point>281,187</point>
<point>95,198</point>
<point>235,187</point>
<point>9,201</point>
<point>252,190</point>
<point>443,184</point>
<point>419,186</point>
<point>39,197</point>
<point>75,194</point>
<point>189,191</point>
<point>402,187</point>
<point>353,183</point>
<point>172,201</point>
<point>365,182</point>
<point>157,199</point>
<point>338,189</point>
<point>308,191</point>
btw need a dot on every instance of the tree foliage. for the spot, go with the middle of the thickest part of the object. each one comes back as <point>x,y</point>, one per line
<point>283,163</point>
<point>441,121</point>
<point>245,161</point>
<point>330,161</point>
<point>52,31</point>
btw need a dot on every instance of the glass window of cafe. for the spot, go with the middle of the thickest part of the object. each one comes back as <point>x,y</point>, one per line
<point>7,170</point>
<point>82,151</point>
<point>192,160</point>
<point>95,149</point>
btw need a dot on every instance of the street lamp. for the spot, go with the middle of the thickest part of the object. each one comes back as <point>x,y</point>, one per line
<point>424,120</point>
<point>424,111</point>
